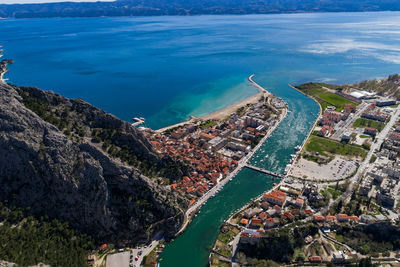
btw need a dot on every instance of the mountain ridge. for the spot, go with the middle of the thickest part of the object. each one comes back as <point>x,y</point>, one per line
<point>182,7</point>
<point>56,172</point>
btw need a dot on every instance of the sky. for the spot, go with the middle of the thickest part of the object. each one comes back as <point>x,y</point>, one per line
<point>45,1</point>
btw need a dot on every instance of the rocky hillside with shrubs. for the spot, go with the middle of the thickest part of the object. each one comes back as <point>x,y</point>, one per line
<point>69,160</point>
<point>389,86</point>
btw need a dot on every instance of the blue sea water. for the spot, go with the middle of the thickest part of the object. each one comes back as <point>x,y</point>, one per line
<point>168,68</point>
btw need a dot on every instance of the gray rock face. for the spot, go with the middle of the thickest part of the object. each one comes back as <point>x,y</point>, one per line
<point>75,181</point>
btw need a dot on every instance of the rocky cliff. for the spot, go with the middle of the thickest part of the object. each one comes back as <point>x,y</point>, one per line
<point>69,160</point>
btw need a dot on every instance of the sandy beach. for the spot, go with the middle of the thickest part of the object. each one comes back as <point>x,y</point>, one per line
<point>224,112</point>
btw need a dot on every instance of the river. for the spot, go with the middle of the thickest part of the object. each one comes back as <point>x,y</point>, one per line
<point>168,68</point>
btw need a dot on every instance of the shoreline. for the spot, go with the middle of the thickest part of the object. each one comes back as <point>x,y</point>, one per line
<point>224,112</point>
<point>203,200</point>
<point>193,209</point>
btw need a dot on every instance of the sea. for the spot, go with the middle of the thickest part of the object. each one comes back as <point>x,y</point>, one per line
<point>168,68</point>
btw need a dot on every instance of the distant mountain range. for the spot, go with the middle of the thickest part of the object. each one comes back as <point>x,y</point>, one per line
<point>191,7</point>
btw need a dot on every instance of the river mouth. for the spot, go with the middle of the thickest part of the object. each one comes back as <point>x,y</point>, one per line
<point>168,68</point>
<point>195,244</point>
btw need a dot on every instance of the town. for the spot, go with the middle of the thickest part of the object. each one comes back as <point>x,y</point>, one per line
<point>340,192</point>
<point>215,148</point>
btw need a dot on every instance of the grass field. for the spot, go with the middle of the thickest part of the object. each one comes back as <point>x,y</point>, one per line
<point>323,145</point>
<point>361,123</point>
<point>324,97</point>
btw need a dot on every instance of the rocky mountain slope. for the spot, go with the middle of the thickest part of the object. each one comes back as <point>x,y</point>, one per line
<point>389,86</point>
<point>69,160</point>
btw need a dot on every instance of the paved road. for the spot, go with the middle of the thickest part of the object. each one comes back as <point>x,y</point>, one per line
<point>360,172</point>
<point>242,163</point>
<point>343,126</point>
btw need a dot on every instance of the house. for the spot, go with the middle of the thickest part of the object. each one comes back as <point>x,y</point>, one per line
<point>251,212</point>
<point>265,205</point>
<point>308,239</point>
<point>331,218</point>
<point>269,223</point>
<point>354,218</point>
<point>206,136</point>
<point>289,215</point>
<point>319,218</point>
<point>315,259</point>
<point>275,197</point>
<point>342,217</point>
<point>323,132</point>
<point>263,216</point>
<point>103,247</point>
<point>255,223</point>
<point>339,257</point>
<point>308,212</point>
<point>277,209</point>
<point>299,202</point>
<point>244,222</point>
<point>370,131</point>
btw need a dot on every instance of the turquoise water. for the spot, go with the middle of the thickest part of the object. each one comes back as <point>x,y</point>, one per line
<point>168,68</point>
<point>194,245</point>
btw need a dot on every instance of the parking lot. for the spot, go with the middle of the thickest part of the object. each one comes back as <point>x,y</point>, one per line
<point>123,259</point>
<point>338,168</point>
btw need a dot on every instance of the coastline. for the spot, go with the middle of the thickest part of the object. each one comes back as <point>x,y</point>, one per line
<point>190,212</point>
<point>224,112</point>
<point>201,201</point>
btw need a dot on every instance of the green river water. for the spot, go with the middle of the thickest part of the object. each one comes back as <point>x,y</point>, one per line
<point>192,248</point>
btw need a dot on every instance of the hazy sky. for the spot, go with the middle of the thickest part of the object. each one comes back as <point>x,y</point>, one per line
<point>45,1</point>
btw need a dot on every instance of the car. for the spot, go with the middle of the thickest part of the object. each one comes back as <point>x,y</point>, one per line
<point>136,258</point>
<point>140,252</point>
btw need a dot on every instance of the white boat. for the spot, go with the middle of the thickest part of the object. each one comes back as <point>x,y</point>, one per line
<point>297,148</point>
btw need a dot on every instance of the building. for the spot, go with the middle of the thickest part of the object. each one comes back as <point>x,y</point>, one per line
<point>275,197</point>
<point>342,217</point>
<point>370,131</point>
<point>346,137</point>
<point>339,257</point>
<point>217,143</point>
<point>319,218</point>
<point>386,102</point>
<point>206,136</point>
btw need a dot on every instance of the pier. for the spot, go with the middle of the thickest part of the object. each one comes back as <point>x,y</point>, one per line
<point>138,121</point>
<point>279,175</point>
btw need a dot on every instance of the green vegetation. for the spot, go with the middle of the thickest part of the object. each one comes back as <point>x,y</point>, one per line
<point>371,239</point>
<point>324,146</point>
<point>364,136</point>
<point>372,159</point>
<point>284,240</point>
<point>362,123</point>
<point>26,240</point>
<point>324,97</point>
<point>207,124</point>
<point>75,124</point>
<point>335,192</point>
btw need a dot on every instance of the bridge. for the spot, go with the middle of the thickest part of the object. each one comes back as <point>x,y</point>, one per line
<point>275,174</point>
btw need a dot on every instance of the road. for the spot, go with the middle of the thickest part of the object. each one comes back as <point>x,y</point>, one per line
<point>343,126</point>
<point>361,169</point>
<point>242,163</point>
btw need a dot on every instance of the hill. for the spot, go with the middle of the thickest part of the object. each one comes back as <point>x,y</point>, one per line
<point>71,161</point>
<point>191,7</point>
